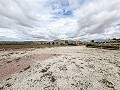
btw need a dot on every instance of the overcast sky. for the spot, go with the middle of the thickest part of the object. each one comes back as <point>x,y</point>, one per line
<point>22,20</point>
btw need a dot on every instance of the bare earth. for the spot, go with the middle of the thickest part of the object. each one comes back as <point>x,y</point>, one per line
<point>60,68</point>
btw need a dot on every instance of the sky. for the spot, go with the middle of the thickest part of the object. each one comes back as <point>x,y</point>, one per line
<point>38,20</point>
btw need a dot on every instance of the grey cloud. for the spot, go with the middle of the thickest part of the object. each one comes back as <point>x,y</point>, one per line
<point>33,19</point>
<point>97,16</point>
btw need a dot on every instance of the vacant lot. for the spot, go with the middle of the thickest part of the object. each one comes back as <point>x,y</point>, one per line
<point>61,68</point>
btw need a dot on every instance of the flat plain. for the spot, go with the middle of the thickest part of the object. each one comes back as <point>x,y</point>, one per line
<point>60,68</point>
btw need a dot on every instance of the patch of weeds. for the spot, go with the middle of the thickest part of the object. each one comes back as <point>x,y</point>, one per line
<point>49,76</point>
<point>82,67</point>
<point>9,61</point>
<point>47,88</point>
<point>17,59</point>
<point>65,57</point>
<point>44,70</point>
<point>27,68</point>
<point>8,79</point>
<point>8,85</point>
<point>118,65</point>
<point>73,58</point>
<point>18,65</point>
<point>16,53</point>
<point>64,68</point>
<point>22,53</point>
<point>21,71</point>
<point>11,53</point>
<point>108,83</point>
<point>55,54</point>
<point>81,85</point>
<point>1,88</point>
<point>99,59</point>
<point>51,87</point>
<point>91,66</point>
<point>53,79</point>
<point>118,73</point>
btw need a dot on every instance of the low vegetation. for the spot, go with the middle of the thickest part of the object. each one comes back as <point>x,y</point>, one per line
<point>27,68</point>
<point>110,47</point>
<point>37,44</point>
<point>113,44</point>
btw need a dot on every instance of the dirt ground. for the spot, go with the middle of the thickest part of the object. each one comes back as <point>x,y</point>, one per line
<point>60,68</point>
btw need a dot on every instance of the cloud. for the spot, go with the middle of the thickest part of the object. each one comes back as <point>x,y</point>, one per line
<point>95,17</point>
<point>59,19</point>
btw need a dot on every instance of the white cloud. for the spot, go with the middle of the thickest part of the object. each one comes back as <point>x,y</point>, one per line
<point>97,16</point>
<point>44,19</point>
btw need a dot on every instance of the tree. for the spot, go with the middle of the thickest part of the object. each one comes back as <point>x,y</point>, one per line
<point>114,39</point>
<point>92,41</point>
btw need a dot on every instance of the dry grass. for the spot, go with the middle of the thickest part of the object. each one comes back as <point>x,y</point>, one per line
<point>103,46</point>
<point>14,46</point>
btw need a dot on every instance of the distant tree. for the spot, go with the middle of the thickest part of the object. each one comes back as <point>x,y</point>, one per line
<point>66,42</point>
<point>53,43</point>
<point>48,43</point>
<point>92,41</point>
<point>114,39</point>
<point>57,43</point>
